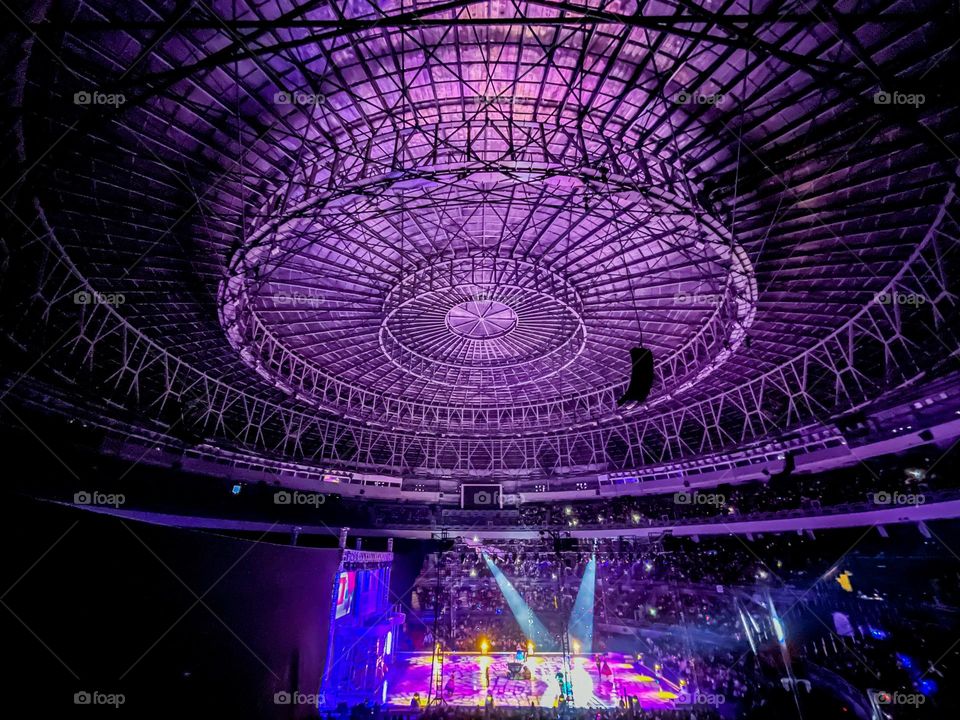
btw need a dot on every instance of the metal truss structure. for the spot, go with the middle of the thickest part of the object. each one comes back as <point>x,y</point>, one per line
<point>421,237</point>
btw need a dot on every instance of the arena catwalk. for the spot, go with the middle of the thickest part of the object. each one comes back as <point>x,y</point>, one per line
<point>598,681</point>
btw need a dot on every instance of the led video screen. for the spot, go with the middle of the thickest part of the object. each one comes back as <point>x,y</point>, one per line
<point>481,497</point>
<point>345,590</point>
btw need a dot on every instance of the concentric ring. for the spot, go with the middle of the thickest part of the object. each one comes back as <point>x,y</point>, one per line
<point>536,332</point>
<point>481,319</point>
<point>677,282</point>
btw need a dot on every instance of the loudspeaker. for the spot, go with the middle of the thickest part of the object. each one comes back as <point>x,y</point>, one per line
<point>641,376</point>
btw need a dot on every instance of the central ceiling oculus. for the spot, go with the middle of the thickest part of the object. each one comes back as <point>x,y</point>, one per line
<point>481,319</point>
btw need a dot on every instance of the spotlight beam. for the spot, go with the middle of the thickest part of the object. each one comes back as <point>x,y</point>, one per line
<point>533,628</point>
<point>581,619</point>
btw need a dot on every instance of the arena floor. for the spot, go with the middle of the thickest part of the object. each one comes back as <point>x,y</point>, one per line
<point>465,679</point>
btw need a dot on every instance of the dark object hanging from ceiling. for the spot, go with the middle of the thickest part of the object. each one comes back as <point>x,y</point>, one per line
<point>641,376</point>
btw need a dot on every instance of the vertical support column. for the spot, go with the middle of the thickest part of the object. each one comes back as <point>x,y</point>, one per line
<point>386,583</point>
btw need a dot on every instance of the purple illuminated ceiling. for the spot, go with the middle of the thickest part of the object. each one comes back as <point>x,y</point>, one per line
<point>423,236</point>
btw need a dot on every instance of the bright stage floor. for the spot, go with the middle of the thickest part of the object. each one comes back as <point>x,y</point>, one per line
<point>411,674</point>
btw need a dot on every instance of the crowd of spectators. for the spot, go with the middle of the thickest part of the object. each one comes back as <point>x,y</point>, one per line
<point>645,586</point>
<point>856,486</point>
<point>516,713</point>
<point>450,712</point>
<point>637,581</point>
<point>683,601</point>
<point>897,649</point>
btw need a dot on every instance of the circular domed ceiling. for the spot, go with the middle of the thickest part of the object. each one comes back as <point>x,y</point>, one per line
<point>482,300</point>
<point>408,236</point>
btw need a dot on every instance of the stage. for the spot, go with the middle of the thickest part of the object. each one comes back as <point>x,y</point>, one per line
<point>465,678</point>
